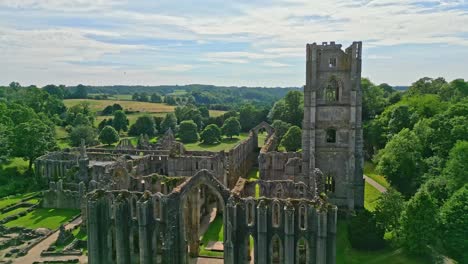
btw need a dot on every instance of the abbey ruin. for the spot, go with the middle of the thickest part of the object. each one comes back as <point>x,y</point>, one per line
<point>145,203</point>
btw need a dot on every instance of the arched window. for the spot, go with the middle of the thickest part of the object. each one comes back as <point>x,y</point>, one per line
<point>157,208</point>
<point>330,183</point>
<point>276,214</point>
<point>303,217</point>
<point>250,212</point>
<point>331,135</point>
<point>134,207</point>
<point>332,90</point>
<point>279,191</point>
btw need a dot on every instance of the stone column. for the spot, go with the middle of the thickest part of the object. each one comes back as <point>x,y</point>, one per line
<point>122,224</point>
<point>98,229</point>
<point>289,246</point>
<point>331,234</point>
<point>230,222</point>
<point>321,256</point>
<point>262,229</point>
<point>145,221</point>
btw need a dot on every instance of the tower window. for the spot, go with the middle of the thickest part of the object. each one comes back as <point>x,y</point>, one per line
<point>330,183</point>
<point>332,62</point>
<point>276,215</point>
<point>331,135</point>
<point>332,90</point>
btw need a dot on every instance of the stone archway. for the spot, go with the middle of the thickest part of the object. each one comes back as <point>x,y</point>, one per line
<point>179,196</point>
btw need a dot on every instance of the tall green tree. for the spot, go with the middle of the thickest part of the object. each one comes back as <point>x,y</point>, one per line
<point>109,135</point>
<point>32,139</point>
<point>454,223</point>
<point>294,107</point>
<point>144,125</point>
<point>211,134</point>
<point>5,148</point>
<point>188,131</point>
<point>231,127</point>
<point>389,207</point>
<point>169,121</point>
<point>418,223</point>
<point>78,133</point>
<point>401,162</point>
<point>120,121</point>
<point>281,128</point>
<point>456,170</point>
<point>292,139</point>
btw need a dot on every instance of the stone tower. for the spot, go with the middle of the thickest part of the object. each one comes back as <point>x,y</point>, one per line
<point>332,126</point>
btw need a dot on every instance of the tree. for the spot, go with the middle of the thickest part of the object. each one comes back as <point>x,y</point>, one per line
<point>211,134</point>
<point>364,233</point>
<point>292,139</point>
<point>105,122</point>
<point>14,85</point>
<point>278,111</point>
<point>456,170</point>
<point>169,121</point>
<point>32,139</point>
<point>249,116</point>
<point>189,112</point>
<point>418,223</point>
<point>144,125</point>
<point>109,135</point>
<point>373,100</point>
<point>294,107</point>
<point>401,163</point>
<point>5,148</point>
<point>156,98</point>
<point>281,128</point>
<point>188,131</point>
<point>120,122</point>
<point>81,92</point>
<point>388,210</point>
<point>454,223</point>
<point>82,132</point>
<point>231,127</point>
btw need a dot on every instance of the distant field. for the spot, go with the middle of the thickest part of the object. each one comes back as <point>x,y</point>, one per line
<point>99,105</point>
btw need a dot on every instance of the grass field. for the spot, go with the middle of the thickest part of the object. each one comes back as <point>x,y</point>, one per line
<point>14,177</point>
<point>371,195</point>
<point>214,233</point>
<point>13,212</point>
<point>369,171</point>
<point>7,201</point>
<point>99,105</point>
<point>226,144</point>
<point>46,218</point>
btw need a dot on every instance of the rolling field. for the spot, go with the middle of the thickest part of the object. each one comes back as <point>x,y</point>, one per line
<point>145,107</point>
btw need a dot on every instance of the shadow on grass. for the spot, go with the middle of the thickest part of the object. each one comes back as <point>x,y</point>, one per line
<point>47,218</point>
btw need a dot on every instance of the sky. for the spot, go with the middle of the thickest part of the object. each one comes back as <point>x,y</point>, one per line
<point>232,43</point>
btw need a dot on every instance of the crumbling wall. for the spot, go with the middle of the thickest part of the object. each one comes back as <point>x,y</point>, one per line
<point>273,165</point>
<point>240,159</point>
<point>58,197</point>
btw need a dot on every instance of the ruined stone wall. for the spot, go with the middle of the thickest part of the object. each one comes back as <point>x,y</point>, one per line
<point>59,197</point>
<point>130,227</point>
<point>240,159</point>
<point>55,164</point>
<point>274,165</point>
<point>276,189</point>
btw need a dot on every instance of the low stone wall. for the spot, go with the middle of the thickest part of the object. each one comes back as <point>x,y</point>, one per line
<point>57,197</point>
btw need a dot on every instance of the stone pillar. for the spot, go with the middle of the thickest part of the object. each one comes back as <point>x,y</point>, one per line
<point>262,229</point>
<point>230,222</point>
<point>331,234</point>
<point>193,218</point>
<point>145,223</point>
<point>98,229</point>
<point>122,224</point>
<point>321,256</point>
<point>289,244</point>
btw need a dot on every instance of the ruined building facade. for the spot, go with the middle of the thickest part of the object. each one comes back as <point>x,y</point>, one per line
<point>145,203</point>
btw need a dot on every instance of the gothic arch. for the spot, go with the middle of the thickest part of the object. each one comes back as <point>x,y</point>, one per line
<point>332,89</point>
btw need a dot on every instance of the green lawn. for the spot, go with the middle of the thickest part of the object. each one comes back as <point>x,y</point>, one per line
<point>345,254</point>
<point>215,232</point>
<point>253,174</point>
<point>226,144</point>
<point>371,195</point>
<point>47,218</point>
<point>62,137</point>
<point>369,171</point>
<point>80,234</point>
<point>7,201</point>
<point>13,212</point>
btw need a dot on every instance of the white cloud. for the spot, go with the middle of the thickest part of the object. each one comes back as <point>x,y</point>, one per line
<point>175,68</point>
<point>275,64</point>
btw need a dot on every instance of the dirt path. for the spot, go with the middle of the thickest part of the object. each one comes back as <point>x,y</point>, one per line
<point>377,185</point>
<point>34,254</point>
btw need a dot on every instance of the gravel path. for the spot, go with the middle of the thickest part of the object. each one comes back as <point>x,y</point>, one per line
<point>377,185</point>
<point>34,254</point>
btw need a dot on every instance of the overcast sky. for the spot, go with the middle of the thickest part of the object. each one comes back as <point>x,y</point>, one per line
<point>247,42</point>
